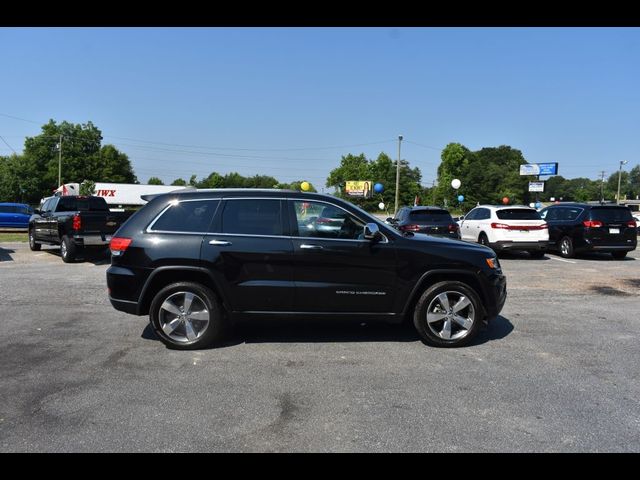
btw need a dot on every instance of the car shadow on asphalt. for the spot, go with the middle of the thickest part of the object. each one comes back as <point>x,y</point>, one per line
<point>336,331</point>
<point>5,254</point>
<point>97,258</point>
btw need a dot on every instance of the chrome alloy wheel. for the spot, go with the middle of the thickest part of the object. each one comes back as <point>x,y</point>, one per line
<point>63,250</point>
<point>184,317</point>
<point>451,315</point>
<point>564,247</point>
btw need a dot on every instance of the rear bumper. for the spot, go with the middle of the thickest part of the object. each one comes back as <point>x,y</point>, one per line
<point>124,305</point>
<point>510,245</point>
<point>99,240</point>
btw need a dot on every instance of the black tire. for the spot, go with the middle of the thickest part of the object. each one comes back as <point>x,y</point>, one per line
<point>619,255</point>
<point>483,240</point>
<point>68,250</point>
<point>33,245</point>
<point>178,339</point>
<point>565,247</point>
<point>433,332</point>
<point>536,253</point>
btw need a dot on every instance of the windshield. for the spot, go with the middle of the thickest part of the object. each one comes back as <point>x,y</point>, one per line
<point>518,214</point>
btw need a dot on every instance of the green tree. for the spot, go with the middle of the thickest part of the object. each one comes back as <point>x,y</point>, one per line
<point>82,157</point>
<point>381,170</point>
<point>87,187</point>
<point>18,180</point>
<point>155,181</point>
<point>179,182</point>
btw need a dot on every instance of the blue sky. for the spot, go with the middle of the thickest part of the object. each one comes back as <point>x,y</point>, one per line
<point>288,102</point>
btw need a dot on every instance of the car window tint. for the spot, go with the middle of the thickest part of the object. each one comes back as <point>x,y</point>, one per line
<point>611,214</point>
<point>7,209</point>
<point>187,217</point>
<point>518,214</point>
<point>67,204</point>
<point>430,216</point>
<point>483,214</point>
<point>471,215</point>
<point>571,213</point>
<point>320,221</point>
<point>254,217</point>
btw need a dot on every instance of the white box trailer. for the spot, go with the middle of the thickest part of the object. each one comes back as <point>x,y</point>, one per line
<point>116,194</point>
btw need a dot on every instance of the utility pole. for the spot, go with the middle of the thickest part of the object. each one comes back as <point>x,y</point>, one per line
<point>398,177</point>
<point>622,162</point>
<point>602,186</point>
<point>60,162</point>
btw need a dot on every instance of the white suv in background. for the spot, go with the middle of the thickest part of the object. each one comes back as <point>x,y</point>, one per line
<point>514,227</point>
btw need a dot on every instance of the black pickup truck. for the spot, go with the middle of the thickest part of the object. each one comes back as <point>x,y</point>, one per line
<point>74,222</point>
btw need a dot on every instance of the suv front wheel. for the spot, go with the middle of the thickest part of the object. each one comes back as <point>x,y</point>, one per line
<point>448,314</point>
<point>186,316</point>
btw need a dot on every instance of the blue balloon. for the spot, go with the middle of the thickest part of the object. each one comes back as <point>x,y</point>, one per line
<point>538,204</point>
<point>378,188</point>
<point>461,198</point>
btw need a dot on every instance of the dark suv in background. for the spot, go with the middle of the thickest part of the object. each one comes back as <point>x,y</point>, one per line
<point>431,220</point>
<point>582,227</point>
<point>197,260</point>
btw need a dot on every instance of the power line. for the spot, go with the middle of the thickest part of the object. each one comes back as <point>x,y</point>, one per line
<point>7,144</point>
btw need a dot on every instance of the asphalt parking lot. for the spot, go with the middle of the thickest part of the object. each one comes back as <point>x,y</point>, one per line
<point>557,371</point>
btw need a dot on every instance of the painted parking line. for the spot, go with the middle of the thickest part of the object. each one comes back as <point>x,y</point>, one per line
<point>560,259</point>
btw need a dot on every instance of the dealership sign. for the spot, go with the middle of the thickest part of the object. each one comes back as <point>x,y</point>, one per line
<point>539,168</point>
<point>359,188</point>
<point>536,186</point>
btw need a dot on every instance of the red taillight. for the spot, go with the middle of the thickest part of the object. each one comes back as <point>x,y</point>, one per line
<point>502,226</point>
<point>453,227</point>
<point>118,245</point>
<point>409,228</point>
<point>77,222</point>
<point>592,223</point>
<point>632,224</point>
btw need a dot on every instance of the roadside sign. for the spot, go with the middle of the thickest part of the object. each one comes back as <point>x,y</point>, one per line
<point>548,168</point>
<point>536,186</point>
<point>359,188</point>
<point>539,168</point>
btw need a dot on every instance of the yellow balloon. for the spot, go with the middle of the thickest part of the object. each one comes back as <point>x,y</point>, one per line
<point>305,186</point>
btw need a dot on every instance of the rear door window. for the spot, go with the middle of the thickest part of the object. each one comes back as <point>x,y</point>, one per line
<point>252,217</point>
<point>518,214</point>
<point>611,214</point>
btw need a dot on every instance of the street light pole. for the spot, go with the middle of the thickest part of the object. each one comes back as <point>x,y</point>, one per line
<point>398,177</point>
<point>622,162</point>
<point>60,162</point>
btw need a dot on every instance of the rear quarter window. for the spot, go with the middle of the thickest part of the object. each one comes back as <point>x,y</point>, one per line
<point>188,216</point>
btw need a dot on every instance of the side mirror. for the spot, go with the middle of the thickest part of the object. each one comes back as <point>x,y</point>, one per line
<point>461,217</point>
<point>372,232</point>
<point>36,211</point>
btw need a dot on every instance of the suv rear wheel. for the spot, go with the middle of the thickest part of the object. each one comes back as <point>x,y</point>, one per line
<point>448,314</point>
<point>186,316</point>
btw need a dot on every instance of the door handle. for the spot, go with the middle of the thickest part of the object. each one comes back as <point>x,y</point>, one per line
<point>305,246</point>
<point>219,242</point>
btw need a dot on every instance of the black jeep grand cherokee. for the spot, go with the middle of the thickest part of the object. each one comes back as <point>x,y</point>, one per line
<point>198,260</point>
